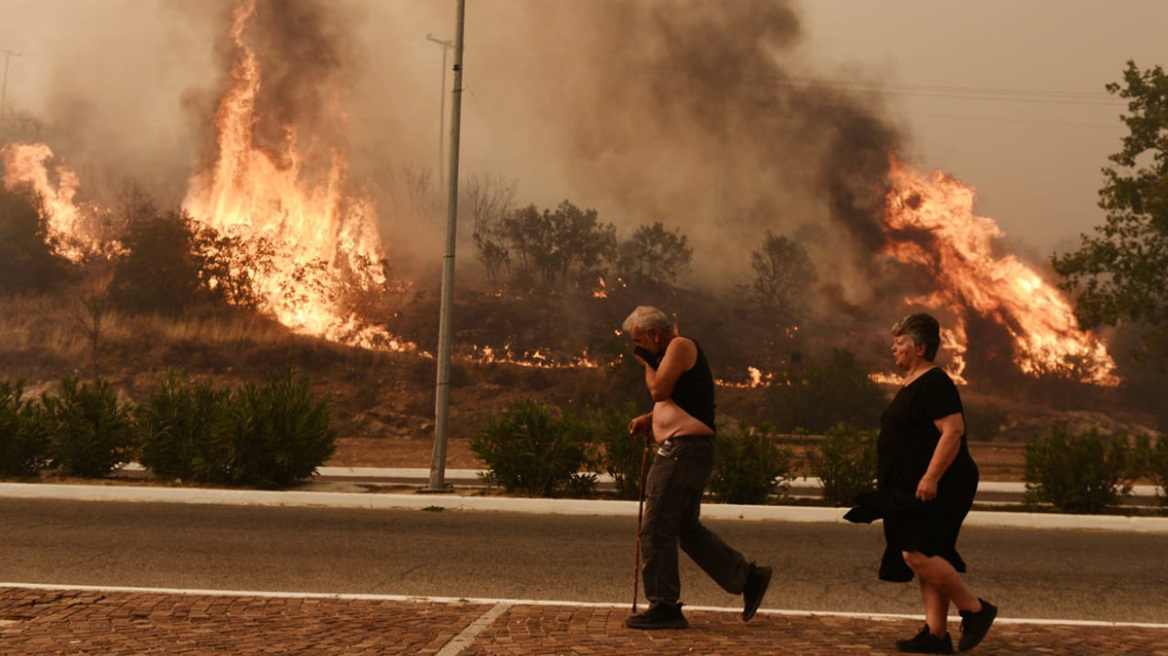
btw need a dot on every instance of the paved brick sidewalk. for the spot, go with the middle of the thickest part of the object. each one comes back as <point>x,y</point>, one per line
<point>48,622</point>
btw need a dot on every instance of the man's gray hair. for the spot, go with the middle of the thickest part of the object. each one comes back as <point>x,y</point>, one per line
<point>923,329</point>
<point>647,317</point>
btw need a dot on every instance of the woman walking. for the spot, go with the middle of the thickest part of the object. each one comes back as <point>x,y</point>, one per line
<point>926,481</point>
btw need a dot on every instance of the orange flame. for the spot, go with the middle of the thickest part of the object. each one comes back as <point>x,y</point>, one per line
<point>324,242</point>
<point>969,276</point>
<point>72,230</point>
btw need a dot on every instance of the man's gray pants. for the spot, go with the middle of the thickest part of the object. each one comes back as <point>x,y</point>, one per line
<point>675,484</point>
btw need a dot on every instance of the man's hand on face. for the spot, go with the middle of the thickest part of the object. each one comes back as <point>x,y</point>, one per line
<point>646,357</point>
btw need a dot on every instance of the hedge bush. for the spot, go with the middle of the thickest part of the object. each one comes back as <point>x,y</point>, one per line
<point>1080,473</point>
<point>24,442</point>
<point>90,432</point>
<point>176,423</point>
<point>1157,466</point>
<point>845,464</point>
<point>621,454</point>
<point>266,436</point>
<point>750,466</point>
<point>537,450</point>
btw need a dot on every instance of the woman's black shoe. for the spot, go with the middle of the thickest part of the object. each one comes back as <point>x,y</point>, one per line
<point>926,643</point>
<point>975,626</point>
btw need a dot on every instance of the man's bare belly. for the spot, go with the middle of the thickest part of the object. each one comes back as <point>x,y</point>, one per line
<point>669,421</point>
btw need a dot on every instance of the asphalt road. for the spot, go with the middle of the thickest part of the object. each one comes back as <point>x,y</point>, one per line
<point>1077,575</point>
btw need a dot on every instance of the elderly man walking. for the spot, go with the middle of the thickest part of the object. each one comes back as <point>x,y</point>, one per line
<point>681,424</point>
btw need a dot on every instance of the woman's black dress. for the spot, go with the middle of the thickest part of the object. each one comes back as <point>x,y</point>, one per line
<point>904,449</point>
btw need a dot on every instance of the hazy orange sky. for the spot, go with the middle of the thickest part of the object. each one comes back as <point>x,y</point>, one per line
<point>1007,95</point>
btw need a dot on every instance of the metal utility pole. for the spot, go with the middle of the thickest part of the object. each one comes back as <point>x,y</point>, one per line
<point>8,54</point>
<point>446,47</point>
<point>442,397</point>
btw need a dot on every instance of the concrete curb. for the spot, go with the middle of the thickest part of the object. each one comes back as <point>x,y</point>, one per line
<point>301,498</point>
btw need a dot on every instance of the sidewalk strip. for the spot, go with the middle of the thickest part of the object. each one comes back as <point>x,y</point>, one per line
<point>508,603</point>
<point>466,638</point>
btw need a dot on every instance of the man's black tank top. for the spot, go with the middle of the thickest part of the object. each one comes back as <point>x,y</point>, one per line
<point>694,391</point>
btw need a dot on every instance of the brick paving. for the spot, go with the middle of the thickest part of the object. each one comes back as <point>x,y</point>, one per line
<point>82,622</point>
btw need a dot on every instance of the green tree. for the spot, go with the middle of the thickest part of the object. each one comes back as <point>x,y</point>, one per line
<point>783,275</point>
<point>158,273</point>
<point>1121,272</point>
<point>823,396</point>
<point>654,254</point>
<point>556,248</point>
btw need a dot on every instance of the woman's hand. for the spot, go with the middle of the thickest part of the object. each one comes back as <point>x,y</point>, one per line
<point>927,489</point>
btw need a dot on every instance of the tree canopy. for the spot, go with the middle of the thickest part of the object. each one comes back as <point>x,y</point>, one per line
<point>1121,271</point>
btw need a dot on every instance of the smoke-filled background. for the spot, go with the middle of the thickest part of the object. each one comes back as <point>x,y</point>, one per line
<point>717,119</point>
<point>693,114</point>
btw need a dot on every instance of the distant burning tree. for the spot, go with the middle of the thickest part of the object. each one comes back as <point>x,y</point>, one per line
<point>929,222</point>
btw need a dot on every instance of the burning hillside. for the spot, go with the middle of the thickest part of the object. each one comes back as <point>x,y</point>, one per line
<point>741,149</point>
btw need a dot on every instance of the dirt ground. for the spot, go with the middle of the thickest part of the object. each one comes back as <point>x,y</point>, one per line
<point>401,453</point>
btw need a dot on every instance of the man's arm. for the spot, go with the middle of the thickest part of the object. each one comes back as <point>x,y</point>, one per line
<point>680,356</point>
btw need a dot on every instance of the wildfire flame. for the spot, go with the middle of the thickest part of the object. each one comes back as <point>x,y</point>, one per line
<point>929,221</point>
<point>71,229</point>
<point>325,242</point>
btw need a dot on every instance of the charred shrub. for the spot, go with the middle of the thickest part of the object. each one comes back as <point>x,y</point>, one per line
<point>838,391</point>
<point>175,425</point>
<point>24,443</point>
<point>90,432</point>
<point>845,464</point>
<point>1079,473</point>
<point>751,466</point>
<point>266,436</point>
<point>537,450</point>
<point>27,260</point>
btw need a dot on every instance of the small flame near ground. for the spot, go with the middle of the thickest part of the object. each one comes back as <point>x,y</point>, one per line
<point>929,222</point>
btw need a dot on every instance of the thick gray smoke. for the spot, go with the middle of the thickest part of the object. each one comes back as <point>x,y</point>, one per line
<point>699,114</point>
<point>702,114</point>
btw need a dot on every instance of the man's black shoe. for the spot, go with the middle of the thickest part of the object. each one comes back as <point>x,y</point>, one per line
<point>755,589</point>
<point>659,616</point>
<point>975,626</point>
<point>926,643</point>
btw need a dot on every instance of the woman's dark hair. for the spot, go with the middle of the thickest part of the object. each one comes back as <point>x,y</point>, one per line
<point>921,329</point>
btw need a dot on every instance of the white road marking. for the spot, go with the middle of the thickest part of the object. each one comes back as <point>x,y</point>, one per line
<point>466,638</point>
<point>545,602</point>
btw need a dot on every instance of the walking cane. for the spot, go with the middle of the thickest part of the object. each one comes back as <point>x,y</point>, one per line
<point>640,514</point>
